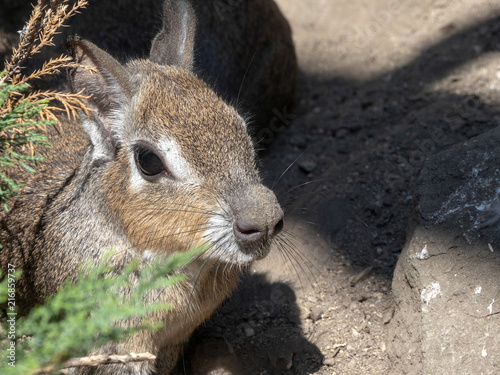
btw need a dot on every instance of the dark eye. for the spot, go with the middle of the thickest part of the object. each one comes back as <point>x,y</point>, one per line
<point>148,162</point>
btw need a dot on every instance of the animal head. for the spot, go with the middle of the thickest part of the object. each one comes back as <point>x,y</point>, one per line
<point>179,165</point>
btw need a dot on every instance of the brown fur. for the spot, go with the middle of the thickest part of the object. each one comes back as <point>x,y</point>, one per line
<point>82,201</point>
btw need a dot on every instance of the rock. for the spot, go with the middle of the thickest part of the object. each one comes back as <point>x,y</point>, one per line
<point>445,284</point>
<point>352,363</point>
<point>388,316</point>
<point>312,299</point>
<point>302,314</point>
<point>249,331</point>
<point>383,347</point>
<point>316,313</point>
<point>308,166</point>
<point>329,362</point>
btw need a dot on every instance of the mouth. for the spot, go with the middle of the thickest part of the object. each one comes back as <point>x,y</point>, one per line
<point>224,244</point>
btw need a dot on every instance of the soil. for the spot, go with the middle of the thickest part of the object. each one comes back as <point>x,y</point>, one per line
<point>385,84</point>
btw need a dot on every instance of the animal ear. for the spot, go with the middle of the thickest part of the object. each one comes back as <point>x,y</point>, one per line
<point>174,43</point>
<point>107,84</point>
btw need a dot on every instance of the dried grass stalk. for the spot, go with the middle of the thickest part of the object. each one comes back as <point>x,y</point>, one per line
<point>46,18</point>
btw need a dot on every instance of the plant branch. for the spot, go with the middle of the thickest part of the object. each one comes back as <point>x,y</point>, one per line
<point>45,20</point>
<point>95,360</point>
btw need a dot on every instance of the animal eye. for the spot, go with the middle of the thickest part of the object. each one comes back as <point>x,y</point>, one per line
<point>148,162</point>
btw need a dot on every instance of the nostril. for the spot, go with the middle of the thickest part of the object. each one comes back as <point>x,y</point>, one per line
<point>278,227</point>
<point>248,231</point>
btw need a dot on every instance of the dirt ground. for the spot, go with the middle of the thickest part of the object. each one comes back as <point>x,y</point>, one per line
<point>385,85</point>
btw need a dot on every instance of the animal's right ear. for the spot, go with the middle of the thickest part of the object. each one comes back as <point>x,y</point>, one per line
<point>107,84</point>
<point>174,43</point>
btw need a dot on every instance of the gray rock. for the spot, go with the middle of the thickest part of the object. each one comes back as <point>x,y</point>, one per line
<point>329,362</point>
<point>307,166</point>
<point>387,317</point>
<point>446,281</point>
<point>316,312</point>
<point>249,331</point>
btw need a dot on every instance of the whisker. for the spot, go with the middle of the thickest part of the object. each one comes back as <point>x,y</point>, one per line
<point>291,200</point>
<point>215,245</point>
<point>194,230</point>
<point>198,276</point>
<point>156,209</point>
<point>278,244</point>
<point>287,256</point>
<point>164,237</point>
<point>304,271</point>
<point>292,248</point>
<point>201,227</point>
<point>288,168</point>
<point>215,277</point>
<point>293,240</point>
<point>305,184</point>
<point>312,223</point>
<point>222,206</point>
<point>245,76</point>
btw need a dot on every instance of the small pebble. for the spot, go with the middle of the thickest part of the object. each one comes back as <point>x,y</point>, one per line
<point>249,331</point>
<point>305,312</point>
<point>312,299</point>
<point>388,316</point>
<point>307,166</point>
<point>316,313</point>
<point>329,362</point>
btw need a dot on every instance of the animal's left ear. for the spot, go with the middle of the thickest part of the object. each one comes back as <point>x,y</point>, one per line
<point>174,43</point>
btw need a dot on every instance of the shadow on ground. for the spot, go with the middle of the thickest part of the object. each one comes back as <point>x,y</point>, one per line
<point>357,147</point>
<point>258,329</point>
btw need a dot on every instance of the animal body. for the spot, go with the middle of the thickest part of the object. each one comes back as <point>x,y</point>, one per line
<point>163,164</point>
